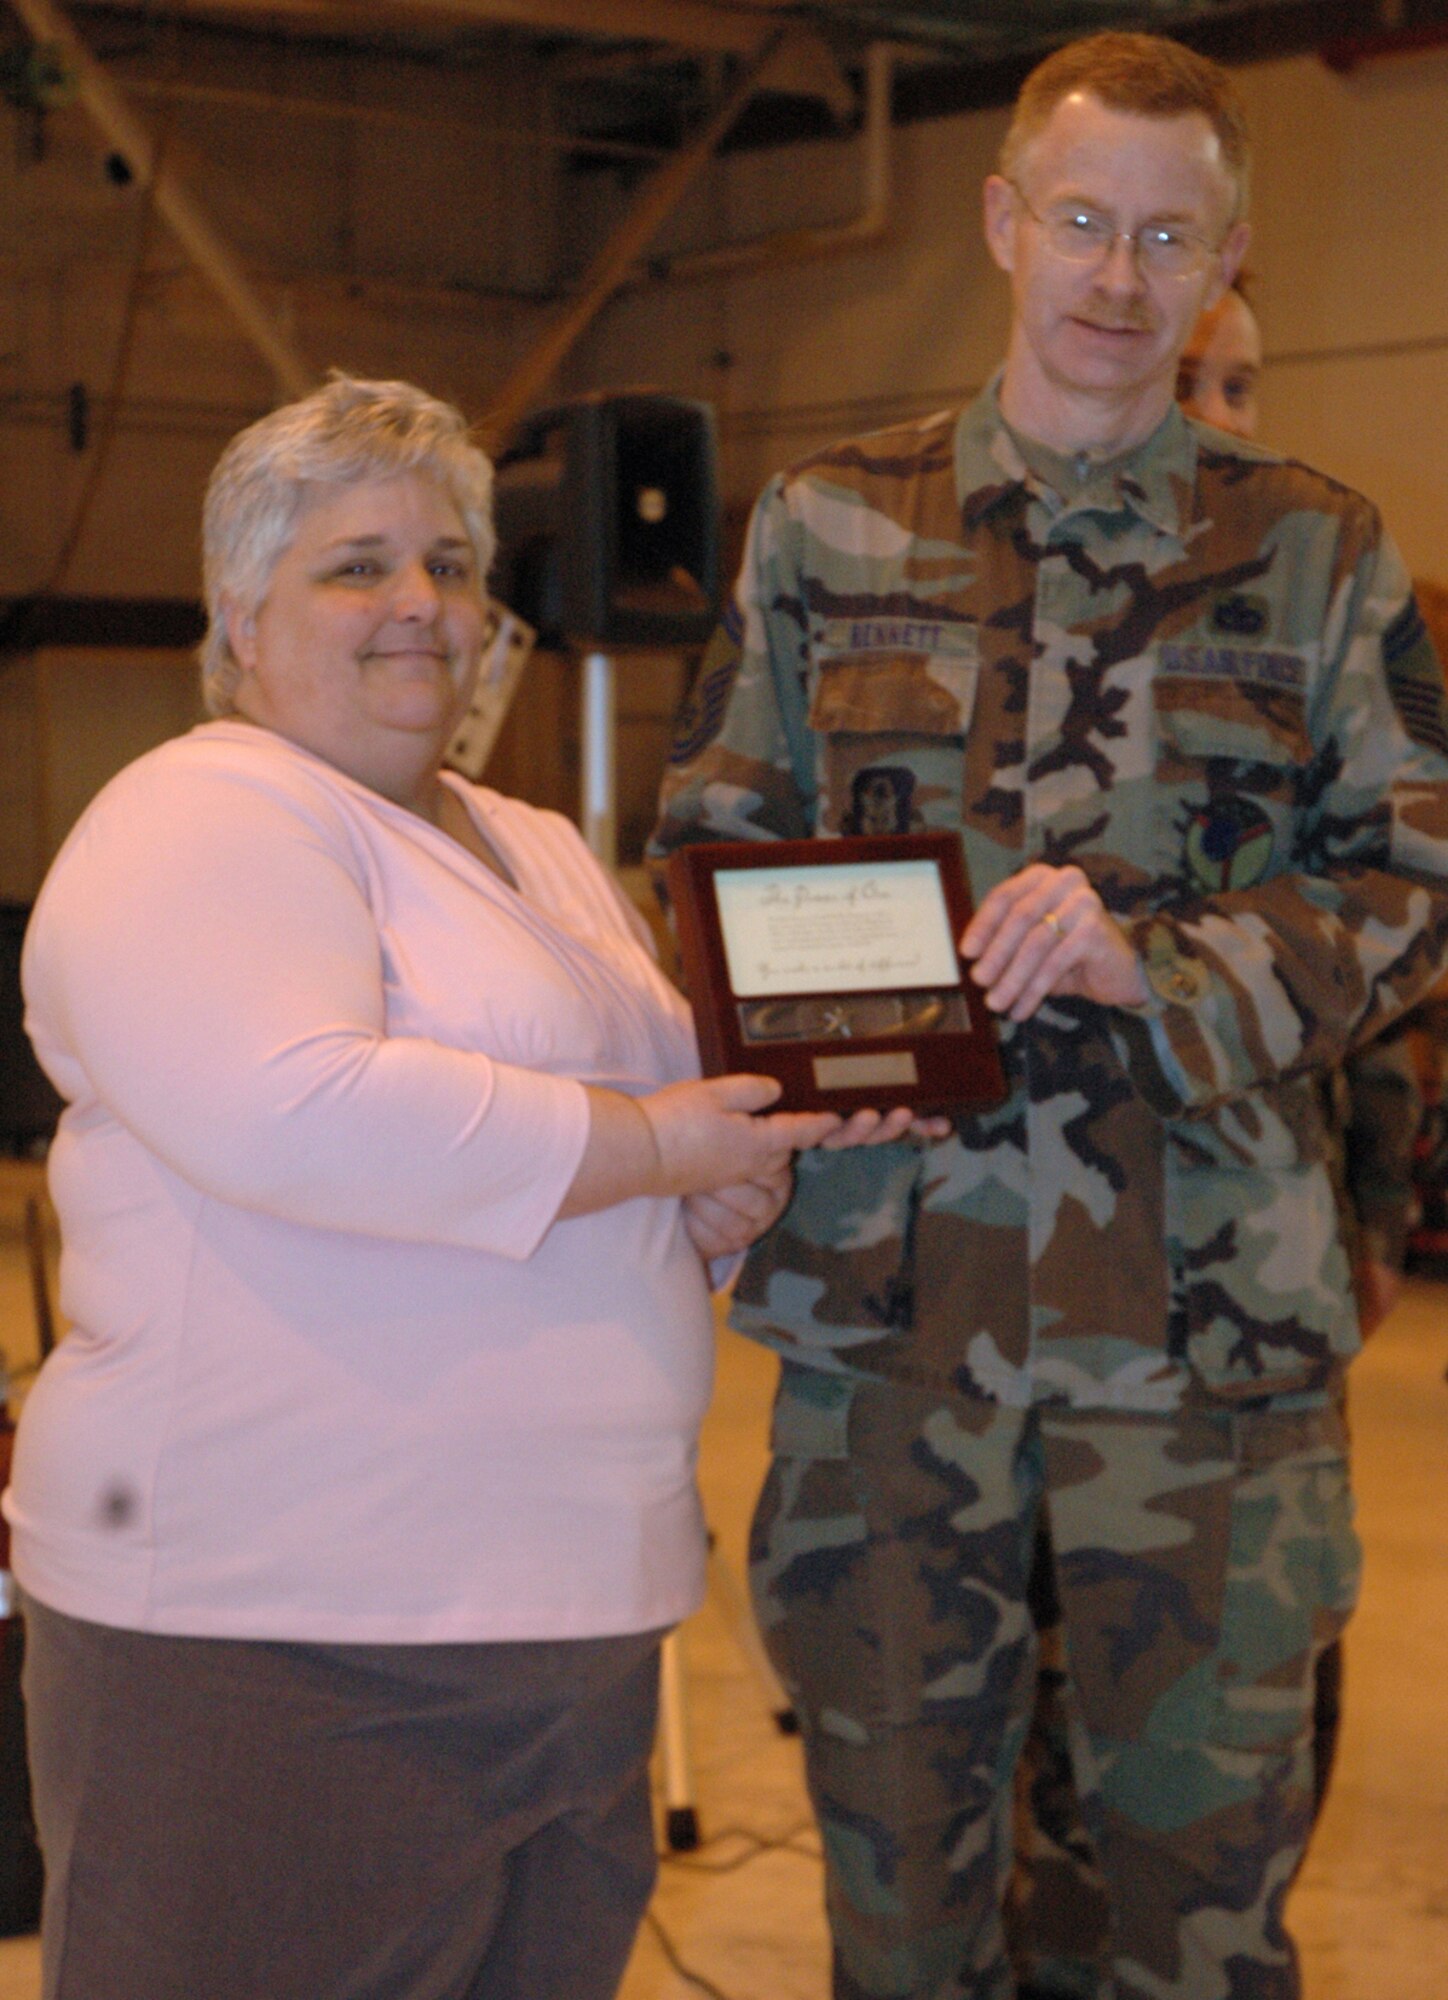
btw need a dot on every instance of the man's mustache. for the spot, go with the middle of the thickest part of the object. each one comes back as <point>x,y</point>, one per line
<point>1116,318</point>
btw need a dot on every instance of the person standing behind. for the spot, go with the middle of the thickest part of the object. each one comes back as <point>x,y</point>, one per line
<point>1174,692</point>
<point>1221,366</point>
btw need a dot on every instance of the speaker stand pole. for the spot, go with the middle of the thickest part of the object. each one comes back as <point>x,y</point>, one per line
<point>600,830</point>
<point>599,802</point>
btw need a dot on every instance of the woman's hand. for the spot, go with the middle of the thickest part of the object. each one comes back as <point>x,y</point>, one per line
<point>728,1221</point>
<point>718,1132</point>
<point>1046,931</point>
<point>799,1130</point>
<point>879,1128</point>
<point>704,1137</point>
<point>686,1139</point>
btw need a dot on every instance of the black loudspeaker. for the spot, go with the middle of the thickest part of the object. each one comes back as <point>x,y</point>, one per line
<point>608,522</point>
<point>29,1106</point>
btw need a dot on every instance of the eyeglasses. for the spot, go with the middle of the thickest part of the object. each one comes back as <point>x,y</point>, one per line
<point>1081,236</point>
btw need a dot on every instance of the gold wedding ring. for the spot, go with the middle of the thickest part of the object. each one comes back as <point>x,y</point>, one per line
<point>1052,922</point>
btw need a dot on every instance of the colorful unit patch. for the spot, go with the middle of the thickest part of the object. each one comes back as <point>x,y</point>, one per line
<point>1228,845</point>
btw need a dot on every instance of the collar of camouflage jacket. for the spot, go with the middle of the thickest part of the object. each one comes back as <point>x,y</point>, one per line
<point>1156,481</point>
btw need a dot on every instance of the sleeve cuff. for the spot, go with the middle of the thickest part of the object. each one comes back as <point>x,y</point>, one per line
<point>535,1129</point>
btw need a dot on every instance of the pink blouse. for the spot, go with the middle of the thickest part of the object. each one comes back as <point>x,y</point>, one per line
<point>335,1370</point>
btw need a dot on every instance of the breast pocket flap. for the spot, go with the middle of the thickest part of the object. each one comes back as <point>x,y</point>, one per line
<point>904,694</point>
<point>1202,720</point>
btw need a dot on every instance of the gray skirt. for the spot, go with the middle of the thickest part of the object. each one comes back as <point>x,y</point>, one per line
<point>243,1820</point>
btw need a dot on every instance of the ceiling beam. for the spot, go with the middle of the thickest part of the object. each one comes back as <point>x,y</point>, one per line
<point>693,24</point>
<point>803,67</point>
<point>715,26</point>
<point>175,204</point>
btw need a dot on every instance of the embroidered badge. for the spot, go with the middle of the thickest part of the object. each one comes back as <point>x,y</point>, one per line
<point>880,799</point>
<point>1415,679</point>
<point>1170,968</point>
<point>1268,666</point>
<point>1228,844</point>
<point>899,635</point>
<point>1244,617</point>
<point>703,710</point>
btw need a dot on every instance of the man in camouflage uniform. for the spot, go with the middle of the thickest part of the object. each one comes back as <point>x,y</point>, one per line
<point>1175,695</point>
<point>1057,1907</point>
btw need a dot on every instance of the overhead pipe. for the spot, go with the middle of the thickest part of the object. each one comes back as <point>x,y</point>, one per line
<point>796,245</point>
<point>179,209</point>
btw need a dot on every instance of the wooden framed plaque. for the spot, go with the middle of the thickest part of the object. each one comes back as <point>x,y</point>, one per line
<point>832,965</point>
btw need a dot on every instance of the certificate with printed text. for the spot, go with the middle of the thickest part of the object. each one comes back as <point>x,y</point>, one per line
<point>849,927</point>
<point>832,965</point>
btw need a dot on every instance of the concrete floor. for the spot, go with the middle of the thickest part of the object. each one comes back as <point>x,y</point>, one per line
<point>740,1919</point>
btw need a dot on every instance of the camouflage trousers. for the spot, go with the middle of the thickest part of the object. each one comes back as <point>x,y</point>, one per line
<point>1201,1560</point>
<point>1057,1907</point>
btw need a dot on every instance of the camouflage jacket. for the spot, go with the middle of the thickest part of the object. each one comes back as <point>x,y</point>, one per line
<point>1203,680</point>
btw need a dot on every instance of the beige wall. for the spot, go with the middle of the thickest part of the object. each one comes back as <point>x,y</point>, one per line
<point>69,720</point>
<point>384,247</point>
<point>1352,251</point>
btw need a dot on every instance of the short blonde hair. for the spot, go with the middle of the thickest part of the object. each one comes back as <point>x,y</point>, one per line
<point>344,433</point>
<point>1150,75</point>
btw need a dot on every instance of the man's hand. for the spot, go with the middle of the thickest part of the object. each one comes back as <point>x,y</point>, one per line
<point>1046,931</point>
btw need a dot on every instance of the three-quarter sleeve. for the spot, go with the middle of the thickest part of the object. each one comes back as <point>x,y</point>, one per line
<point>205,966</point>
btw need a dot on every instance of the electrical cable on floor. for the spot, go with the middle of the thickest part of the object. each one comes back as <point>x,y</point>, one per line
<point>676,1964</point>
<point>754,1844</point>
